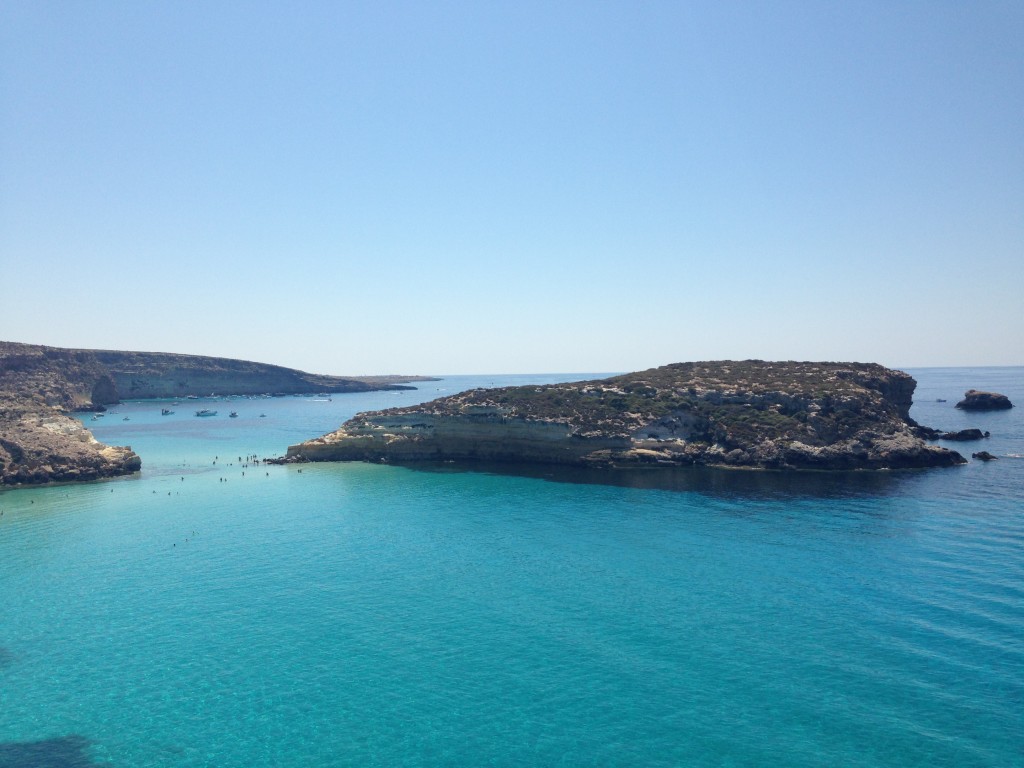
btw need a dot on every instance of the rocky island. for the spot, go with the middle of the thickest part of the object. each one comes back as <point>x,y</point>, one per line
<point>743,414</point>
<point>39,386</point>
<point>984,401</point>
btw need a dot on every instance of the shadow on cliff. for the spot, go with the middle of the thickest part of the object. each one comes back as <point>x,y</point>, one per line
<point>731,483</point>
<point>63,752</point>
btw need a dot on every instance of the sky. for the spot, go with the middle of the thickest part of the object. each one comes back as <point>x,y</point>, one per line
<point>515,187</point>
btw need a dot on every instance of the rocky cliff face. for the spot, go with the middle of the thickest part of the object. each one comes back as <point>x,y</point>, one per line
<point>101,377</point>
<point>39,443</point>
<point>737,414</point>
<point>46,446</point>
<point>139,375</point>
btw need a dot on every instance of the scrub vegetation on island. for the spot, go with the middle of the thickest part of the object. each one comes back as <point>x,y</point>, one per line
<point>751,413</point>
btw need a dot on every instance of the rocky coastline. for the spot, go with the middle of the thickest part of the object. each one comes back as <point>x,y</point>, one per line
<point>740,414</point>
<point>39,386</point>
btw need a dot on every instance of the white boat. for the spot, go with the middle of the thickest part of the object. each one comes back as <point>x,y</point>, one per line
<point>206,412</point>
<point>165,412</point>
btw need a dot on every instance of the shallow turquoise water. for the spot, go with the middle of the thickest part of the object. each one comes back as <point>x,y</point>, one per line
<point>371,615</point>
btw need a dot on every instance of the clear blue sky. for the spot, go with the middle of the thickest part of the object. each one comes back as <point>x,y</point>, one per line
<point>463,187</point>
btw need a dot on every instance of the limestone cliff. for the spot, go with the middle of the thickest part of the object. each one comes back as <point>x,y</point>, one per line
<point>47,446</point>
<point>40,443</point>
<point>99,377</point>
<point>737,414</point>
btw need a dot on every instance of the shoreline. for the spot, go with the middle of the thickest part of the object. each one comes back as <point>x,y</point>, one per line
<point>40,386</point>
<point>752,413</point>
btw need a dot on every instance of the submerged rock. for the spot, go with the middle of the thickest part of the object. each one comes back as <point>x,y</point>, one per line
<point>725,413</point>
<point>975,400</point>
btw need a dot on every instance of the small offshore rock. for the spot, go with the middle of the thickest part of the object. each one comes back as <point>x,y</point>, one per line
<point>964,434</point>
<point>975,400</point>
<point>984,456</point>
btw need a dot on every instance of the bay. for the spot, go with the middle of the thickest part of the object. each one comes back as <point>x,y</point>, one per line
<point>217,612</point>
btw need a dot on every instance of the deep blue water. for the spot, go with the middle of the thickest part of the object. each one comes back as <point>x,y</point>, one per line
<point>359,614</point>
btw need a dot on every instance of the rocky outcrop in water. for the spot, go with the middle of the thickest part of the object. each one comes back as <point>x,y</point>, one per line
<point>735,414</point>
<point>39,386</point>
<point>963,435</point>
<point>984,401</point>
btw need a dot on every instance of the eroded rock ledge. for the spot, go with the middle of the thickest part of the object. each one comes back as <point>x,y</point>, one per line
<point>751,413</point>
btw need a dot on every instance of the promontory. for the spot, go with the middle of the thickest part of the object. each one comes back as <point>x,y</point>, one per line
<point>743,414</point>
<point>39,386</point>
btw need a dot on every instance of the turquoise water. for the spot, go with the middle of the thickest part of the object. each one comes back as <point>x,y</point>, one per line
<point>359,614</point>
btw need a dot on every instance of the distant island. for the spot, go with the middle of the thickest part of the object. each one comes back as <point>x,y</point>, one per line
<point>984,401</point>
<point>741,414</point>
<point>40,385</point>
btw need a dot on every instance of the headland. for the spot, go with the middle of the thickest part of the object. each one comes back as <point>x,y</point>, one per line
<point>40,386</point>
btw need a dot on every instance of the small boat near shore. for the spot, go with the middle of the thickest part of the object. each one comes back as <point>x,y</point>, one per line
<point>233,415</point>
<point>166,411</point>
<point>206,412</point>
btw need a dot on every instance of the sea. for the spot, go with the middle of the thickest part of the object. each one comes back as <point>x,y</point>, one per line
<point>216,611</point>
